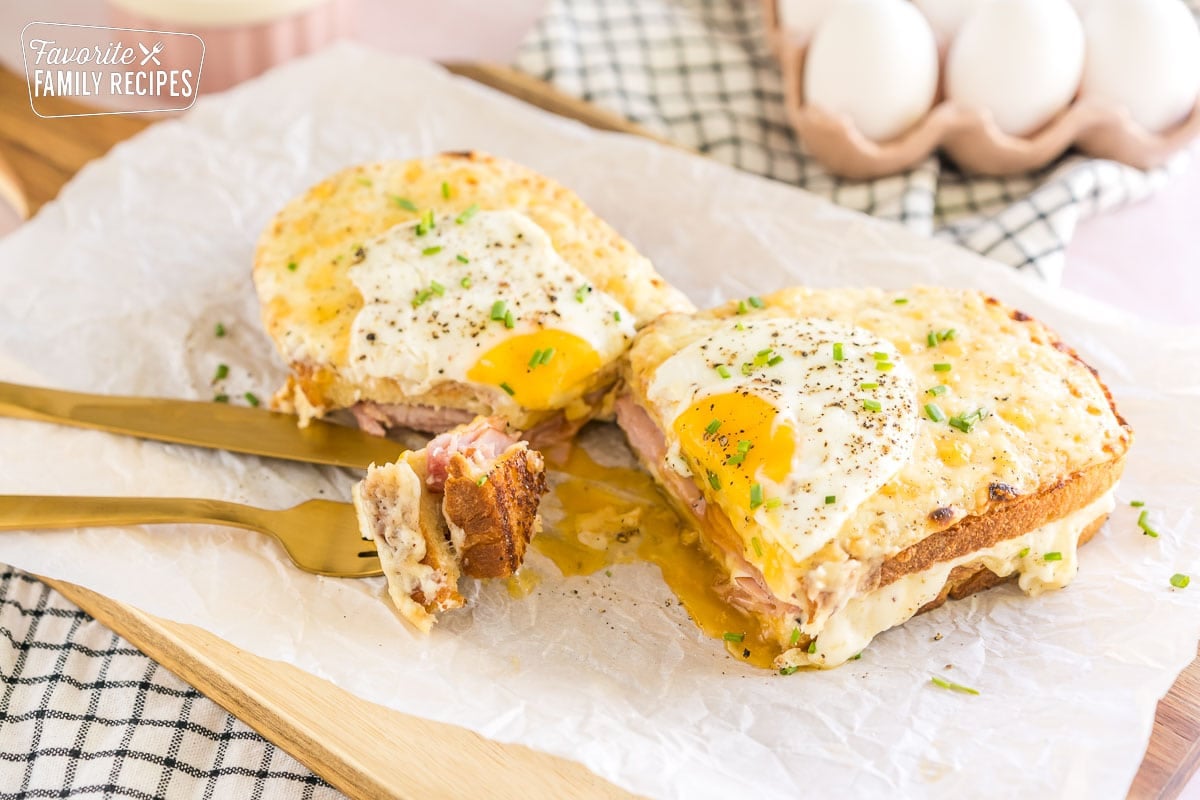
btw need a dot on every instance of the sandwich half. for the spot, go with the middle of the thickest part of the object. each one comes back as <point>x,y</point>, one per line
<point>424,293</point>
<point>853,457</point>
<point>465,505</point>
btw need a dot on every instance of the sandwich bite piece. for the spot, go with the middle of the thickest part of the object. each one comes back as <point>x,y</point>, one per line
<point>852,457</point>
<point>466,504</point>
<point>423,293</point>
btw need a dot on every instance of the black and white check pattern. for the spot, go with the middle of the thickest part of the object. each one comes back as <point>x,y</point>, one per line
<point>700,72</point>
<point>84,714</point>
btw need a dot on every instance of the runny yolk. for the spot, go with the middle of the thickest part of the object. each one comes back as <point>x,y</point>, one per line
<point>733,442</point>
<point>600,515</point>
<point>544,370</point>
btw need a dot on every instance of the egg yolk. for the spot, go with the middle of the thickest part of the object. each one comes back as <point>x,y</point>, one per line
<point>733,442</point>
<point>541,370</point>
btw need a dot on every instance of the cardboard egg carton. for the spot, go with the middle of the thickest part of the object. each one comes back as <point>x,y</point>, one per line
<point>969,137</point>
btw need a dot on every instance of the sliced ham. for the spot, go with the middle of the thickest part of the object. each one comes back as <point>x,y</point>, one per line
<point>376,418</point>
<point>480,442</point>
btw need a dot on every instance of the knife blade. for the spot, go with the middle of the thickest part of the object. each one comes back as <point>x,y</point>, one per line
<point>240,429</point>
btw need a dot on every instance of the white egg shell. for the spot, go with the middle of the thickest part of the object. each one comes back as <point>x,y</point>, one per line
<point>1021,60</point>
<point>799,18</point>
<point>874,61</point>
<point>947,16</point>
<point>1143,55</point>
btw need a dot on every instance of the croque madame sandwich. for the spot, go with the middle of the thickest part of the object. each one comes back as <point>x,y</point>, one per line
<point>853,457</point>
<point>466,504</point>
<point>424,293</point>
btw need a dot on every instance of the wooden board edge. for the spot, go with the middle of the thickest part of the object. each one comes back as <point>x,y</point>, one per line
<point>337,734</point>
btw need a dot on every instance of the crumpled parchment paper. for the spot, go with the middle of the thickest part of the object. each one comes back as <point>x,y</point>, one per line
<point>117,286</point>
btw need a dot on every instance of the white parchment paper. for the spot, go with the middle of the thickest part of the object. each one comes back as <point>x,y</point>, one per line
<point>116,288</point>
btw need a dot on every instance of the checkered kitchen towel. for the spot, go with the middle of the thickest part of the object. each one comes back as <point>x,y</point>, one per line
<point>84,714</point>
<point>700,72</point>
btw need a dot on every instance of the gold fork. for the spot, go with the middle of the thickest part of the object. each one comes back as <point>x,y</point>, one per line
<point>321,536</point>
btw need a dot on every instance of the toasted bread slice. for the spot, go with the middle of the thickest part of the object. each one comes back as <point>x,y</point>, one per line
<point>467,504</point>
<point>384,226</point>
<point>978,445</point>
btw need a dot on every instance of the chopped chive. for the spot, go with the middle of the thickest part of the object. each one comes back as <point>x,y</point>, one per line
<point>509,319</point>
<point>463,259</point>
<point>931,340</point>
<point>736,459</point>
<point>936,390</point>
<point>445,190</point>
<point>252,399</point>
<point>1180,581</point>
<point>465,282</point>
<point>507,389</point>
<point>856,656</point>
<point>952,686</point>
<point>838,354</point>
<point>795,636</point>
<point>830,499</point>
<point>741,307</point>
<point>884,366</point>
<point>1137,503</point>
<point>482,480</point>
<point>880,355</point>
<point>941,367</point>
<point>293,266</point>
<point>868,386</point>
<point>547,354</point>
<point>961,424</point>
<point>756,495</point>
<point>758,551</point>
<point>1144,523</point>
<point>714,481</point>
<point>723,370</point>
<point>755,301</point>
<point>744,445</point>
<point>616,316</point>
<point>761,359</point>
<point>404,203</point>
<point>437,288</point>
<point>872,405</point>
<point>219,330</point>
<point>900,301</point>
<point>747,368</point>
<point>469,212</point>
<point>739,327</point>
<point>498,308</point>
<point>432,251</point>
<point>812,646</point>
<point>775,361</point>
<point>947,335</point>
<point>222,373</point>
<point>788,670</point>
<point>713,427</point>
<point>773,502</point>
<point>1024,551</point>
<point>1053,555</point>
<point>535,359</point>
<point>221,398</point>
<point>426,224</point>
<point>934,413</point>
<point>582,292</point>
<point>733,637</point>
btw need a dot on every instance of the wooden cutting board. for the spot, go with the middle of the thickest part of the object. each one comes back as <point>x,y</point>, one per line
<point>363,749</point>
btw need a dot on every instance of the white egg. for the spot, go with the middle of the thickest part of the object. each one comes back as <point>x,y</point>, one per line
<point>1020,60</point>
<point>874,61</point>
<point>1143,55</point>
<point>799,18</point>
<point>947,16</point>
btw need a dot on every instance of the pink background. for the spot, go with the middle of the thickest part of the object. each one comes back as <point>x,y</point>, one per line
<point>1144,258</point>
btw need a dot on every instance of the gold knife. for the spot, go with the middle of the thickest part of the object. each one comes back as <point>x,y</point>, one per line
<point>240,429</point>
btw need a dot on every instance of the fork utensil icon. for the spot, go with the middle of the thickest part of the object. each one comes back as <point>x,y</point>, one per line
<point>151,55</point>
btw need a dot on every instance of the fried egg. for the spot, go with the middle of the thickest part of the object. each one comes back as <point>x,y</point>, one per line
<point>481,298</point>
<point>788,424</point>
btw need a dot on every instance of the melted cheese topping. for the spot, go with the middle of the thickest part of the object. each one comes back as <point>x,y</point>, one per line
<point>849,630</point>
<point>814,417</point>
<point>487,301</point>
